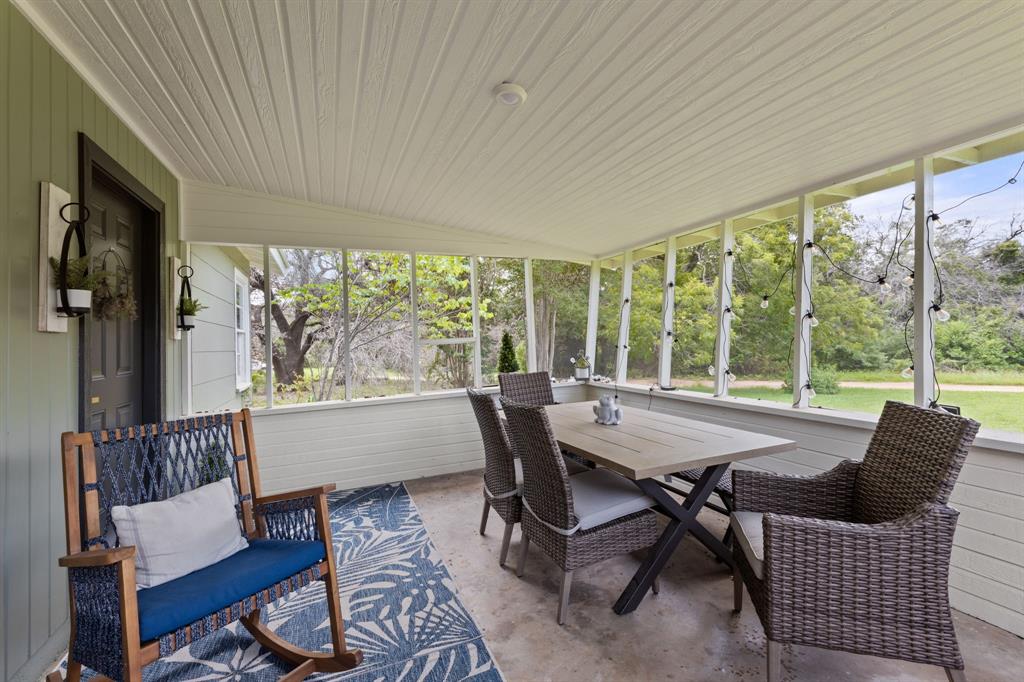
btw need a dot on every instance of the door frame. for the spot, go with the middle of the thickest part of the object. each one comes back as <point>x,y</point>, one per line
<point>94,162</point>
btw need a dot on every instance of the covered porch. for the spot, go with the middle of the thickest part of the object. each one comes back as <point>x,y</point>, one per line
<point>745,218</point>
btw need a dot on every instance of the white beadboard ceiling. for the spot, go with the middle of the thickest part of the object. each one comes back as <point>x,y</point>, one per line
<point>643,117</point>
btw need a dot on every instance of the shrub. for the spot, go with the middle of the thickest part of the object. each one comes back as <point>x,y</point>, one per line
<point>507,355</point>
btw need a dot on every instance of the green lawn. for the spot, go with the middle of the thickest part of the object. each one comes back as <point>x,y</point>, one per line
<point>1003,411</point>
<point>980,378</point>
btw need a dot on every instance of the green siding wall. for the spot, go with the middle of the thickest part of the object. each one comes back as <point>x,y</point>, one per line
<point>43,105</point>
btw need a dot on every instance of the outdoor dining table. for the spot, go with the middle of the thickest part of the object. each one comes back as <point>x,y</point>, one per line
<point>645,448</point>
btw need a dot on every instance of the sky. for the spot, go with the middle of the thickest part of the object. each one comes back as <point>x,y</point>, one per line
<point>992,212</point>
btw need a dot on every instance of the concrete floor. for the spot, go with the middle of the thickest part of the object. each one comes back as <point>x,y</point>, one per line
<point>687,632</point>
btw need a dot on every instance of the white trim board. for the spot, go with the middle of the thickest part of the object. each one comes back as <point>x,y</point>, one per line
<point>226,215</point>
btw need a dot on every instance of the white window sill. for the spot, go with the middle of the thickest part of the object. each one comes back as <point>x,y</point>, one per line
<point>364,402</point>
<point>994,439</point>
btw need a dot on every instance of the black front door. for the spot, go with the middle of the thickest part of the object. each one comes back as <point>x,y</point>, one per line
<point>114,353</point>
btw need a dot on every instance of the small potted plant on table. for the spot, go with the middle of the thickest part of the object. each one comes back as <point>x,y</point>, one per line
<point>581,366</point>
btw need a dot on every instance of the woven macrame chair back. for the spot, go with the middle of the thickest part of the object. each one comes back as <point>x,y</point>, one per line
<point>499,470</point>
<point>152,462</point>
<point>914,458</point>
<point>545,479</point>
<point>532,388</point>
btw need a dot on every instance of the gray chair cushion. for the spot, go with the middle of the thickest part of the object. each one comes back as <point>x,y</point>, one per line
<point>600,496</point>
<point>749,531</point>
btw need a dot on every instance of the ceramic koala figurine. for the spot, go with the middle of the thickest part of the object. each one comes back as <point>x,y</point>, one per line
<point>607,411</point>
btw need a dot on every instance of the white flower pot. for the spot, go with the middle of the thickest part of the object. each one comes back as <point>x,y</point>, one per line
<point>582,373</point>
<point>79,300</point>
<point>189,321</point>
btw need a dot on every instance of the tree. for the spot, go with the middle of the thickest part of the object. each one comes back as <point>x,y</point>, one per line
<point>507,357</point>
<point>560,310</point>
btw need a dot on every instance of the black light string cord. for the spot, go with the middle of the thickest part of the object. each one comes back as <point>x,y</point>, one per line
<point>1012,180</point>
<point>936,311</point>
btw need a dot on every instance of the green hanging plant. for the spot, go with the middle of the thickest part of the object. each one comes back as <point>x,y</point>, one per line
<point>79,276</point>
<point>189,306</point>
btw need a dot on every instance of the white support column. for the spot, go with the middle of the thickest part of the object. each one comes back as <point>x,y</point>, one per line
<point>345,325</point>
<point>668,313</point>
<point>924,284</point>
<point>802,304</point>
<point>268,335</point>
<point>531,326</point>
<point>725,313</point>
<point>474,287</point>
<point>622,350</point>
<point>188,344</point>
<point>593,300</point>
<point>415,315</point>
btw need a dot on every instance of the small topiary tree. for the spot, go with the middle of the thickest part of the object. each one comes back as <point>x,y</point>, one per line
<point>507,355</point>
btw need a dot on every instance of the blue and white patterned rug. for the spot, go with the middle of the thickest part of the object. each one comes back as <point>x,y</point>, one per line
<point>400,604</point>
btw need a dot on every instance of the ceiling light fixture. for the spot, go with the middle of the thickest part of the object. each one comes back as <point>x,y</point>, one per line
<point>510,94</point>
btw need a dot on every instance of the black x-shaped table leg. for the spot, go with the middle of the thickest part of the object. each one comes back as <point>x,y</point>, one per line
<point>683,519</point>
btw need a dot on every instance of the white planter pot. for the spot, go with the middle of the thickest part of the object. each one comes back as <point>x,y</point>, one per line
<point>582,373</point>
<point>190,321</point>
<point>79,300</point>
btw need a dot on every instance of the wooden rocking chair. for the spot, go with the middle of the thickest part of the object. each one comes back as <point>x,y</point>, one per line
<point>116,631</point>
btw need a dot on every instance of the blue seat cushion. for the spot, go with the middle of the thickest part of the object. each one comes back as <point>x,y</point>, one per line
<point>184,600</point>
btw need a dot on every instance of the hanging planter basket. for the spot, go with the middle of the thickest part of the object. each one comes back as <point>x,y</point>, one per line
<point>114,295</point>
<point>72,277</point>
<point>188,307</point>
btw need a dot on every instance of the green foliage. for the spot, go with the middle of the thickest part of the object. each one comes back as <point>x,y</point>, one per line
<point>79,276</point>
<point>507,357</point>
<point>825,380</point>
<point>581,361</point>
<point>111,300</point>
<point>190,306</point>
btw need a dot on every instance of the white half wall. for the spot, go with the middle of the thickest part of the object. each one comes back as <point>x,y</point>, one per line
<point>365,442</point>
<point>368,442</point>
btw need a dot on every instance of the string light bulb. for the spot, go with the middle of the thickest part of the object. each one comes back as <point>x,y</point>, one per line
<point>792,310</point>
<point>909,280</point>
<point>884,286</point>
<point>941,314</point>
<point>729,375</point>
<point>812,318</point>
<point>711,370</point>
<point>810,390</point>
<point>908,372</point>
<point>934,217</point>
<point>812,247</point>
<point>764,301</point>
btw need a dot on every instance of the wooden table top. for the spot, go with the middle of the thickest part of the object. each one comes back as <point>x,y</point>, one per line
<point>648,444</point>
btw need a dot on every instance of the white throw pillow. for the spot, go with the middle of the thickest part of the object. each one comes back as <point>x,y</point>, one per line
<point>181,534</point>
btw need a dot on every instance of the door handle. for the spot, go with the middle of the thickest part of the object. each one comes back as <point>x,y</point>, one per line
<point>94,400</point>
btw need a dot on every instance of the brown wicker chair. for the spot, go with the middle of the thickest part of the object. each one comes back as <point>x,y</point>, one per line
<point>577,521</point>
<point>532,388</point>
<point>857,559</point>
<point>502,472</point>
